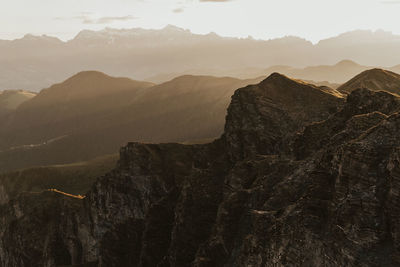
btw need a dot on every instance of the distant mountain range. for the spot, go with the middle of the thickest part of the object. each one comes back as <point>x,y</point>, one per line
<point>36,62</point>
<point>330,75</point>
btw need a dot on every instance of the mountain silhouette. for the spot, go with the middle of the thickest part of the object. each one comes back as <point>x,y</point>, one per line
<point>93,114</point>
<point>37,62</point>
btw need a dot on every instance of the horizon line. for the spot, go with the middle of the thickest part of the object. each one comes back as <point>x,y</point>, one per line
<point>249,37</point>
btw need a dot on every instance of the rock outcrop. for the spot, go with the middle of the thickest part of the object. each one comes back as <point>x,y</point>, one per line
<point>301,177</point>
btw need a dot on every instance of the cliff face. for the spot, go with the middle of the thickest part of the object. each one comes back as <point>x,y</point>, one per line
<point>301,176</point>
<point>262,118</point>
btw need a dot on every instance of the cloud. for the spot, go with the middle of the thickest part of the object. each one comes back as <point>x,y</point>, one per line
<point>178,10</point>
<point>85,18</point>
<point>107,20</point>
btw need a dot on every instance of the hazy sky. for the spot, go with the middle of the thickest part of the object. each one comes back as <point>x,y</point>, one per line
<point>262,19</point>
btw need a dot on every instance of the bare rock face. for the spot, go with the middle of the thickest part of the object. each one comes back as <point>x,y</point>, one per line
<point>262,118</point>
<point>301,177</point>
<point>363,109</point>
<point>41,230</point>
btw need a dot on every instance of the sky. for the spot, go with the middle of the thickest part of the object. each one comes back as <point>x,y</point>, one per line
<point>262,19</point>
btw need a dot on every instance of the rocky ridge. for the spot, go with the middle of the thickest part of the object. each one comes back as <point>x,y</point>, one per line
<point>302,176</point>
<point>373,79</point>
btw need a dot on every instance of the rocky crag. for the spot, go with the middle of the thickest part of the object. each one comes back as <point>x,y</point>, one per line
<point>302,176</point>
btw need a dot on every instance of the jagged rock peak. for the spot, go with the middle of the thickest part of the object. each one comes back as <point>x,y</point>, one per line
<point>262,117</point>
<point>286,85</point>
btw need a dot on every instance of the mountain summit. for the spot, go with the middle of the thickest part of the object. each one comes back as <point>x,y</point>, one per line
<point>374,79</point>
<point>258,108</point>
<point>88,84</point>
<point>83,94</point>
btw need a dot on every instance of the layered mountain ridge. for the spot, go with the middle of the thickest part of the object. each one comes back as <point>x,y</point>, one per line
<point>93,114</point>
<point>36,62</point>
<point>302,175</point>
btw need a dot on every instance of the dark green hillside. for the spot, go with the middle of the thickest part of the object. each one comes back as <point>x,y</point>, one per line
<point>74,178</point>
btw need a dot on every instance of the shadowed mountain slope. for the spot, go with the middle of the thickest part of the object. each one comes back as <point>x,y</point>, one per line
<point>76,178</point>
<point>93,114</point>
<point>83,94</point>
